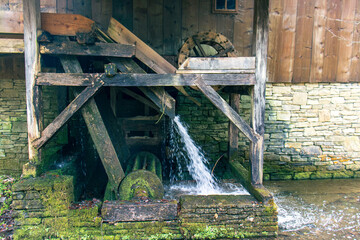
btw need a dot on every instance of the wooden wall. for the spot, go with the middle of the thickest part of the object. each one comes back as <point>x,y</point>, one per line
<point>314,41</point>
<point>165,24</point>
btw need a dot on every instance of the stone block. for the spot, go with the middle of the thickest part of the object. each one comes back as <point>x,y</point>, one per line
<point>125,211</point>
<point>321,175</point>
<point>324,115</point>
<point>343,174</point>
<point>311,150</point>
<point>276,176</point>
<point>283,116</point>
<point>303,175</point>
<point>299,98</point>
<point>295,145</point>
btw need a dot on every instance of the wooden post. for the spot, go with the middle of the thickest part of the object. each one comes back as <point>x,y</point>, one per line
<point>32,23</point>
<point>258,103</point>
<point>233,130</point>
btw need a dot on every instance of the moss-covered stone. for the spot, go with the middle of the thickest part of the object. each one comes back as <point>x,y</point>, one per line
<point>301,176</point>
<point>343,174</point>
<point>321,175</point>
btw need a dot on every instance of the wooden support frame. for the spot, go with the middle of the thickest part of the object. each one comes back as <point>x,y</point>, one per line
<point>233,130</point>
<point>32,23</point>
<point>145,80</point>
<point>97,49</point>
<point>67,113</point>
<point>258,93</point>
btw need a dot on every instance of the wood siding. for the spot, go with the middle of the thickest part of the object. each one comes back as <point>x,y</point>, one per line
<point>166,24</point>
<point>314,41</point>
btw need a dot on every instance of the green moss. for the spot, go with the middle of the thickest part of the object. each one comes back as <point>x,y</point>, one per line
<point>343,174</point>
<point>321,175</point>
<point>301,176</point>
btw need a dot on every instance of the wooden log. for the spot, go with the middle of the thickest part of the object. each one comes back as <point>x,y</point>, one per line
<point>54,23</point>
<point>97,49</point>
<point>98,133</point>
<point>229,112</point>
<point>32,23</point>
<point>233,130</point>
<point>11,45</point>
<point>258,109</point>
<point>139,79</point>
<point>157,95</point>
<point>67,113</point>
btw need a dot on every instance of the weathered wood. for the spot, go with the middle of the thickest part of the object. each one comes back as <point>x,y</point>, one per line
<point>98,132</point>
<point>138,79</point>
<point>140,19</point>
<point>67,113</point>
<point>303,41</point>
<point>54,23</point>
<point>11,45</point>
<point>32,23</point>
<point>156,24</point>
<point>318,40</point>
<point>355,57</point>
<point>258,98</point>
<point>243,28</point>
<point>221,63</point>
<point>139,98</point>
<point>345,44</point>
<point>172,27</point>
<point>258,191</point>
<point>229,112</point>
<point>98,49</point>
<point>122,11</point>
<point>158,95</point>
<point>143,52</point>
<point>190,21</point>
<point>233,130</point>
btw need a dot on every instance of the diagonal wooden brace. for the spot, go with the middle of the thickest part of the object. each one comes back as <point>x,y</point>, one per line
<point>229,112</point>
<point>66,114</point>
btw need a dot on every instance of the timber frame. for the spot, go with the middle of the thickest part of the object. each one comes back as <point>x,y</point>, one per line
<point>122,43</point>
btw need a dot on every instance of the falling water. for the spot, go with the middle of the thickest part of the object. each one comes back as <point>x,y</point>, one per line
<point>196,162</point>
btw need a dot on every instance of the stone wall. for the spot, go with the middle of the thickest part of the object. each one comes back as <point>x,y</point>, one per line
<point>311,130</point>
<point>43,210</point>
<point>13,126</point>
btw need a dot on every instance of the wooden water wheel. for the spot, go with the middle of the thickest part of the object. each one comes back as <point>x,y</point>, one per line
<point>206,44</point>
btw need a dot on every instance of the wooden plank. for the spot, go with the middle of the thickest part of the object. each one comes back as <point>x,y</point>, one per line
<point>275,33</point>
<point>355,58</point>
<point>243,28</point>
<point>32,23</point>
<point>11,45</point>
<point>139,98</point>
<point>233,130</point>
<point>143,52</point>
<point>229,112</point>
<point>303,41</point>
<point>285,67</point>
<point>190,20</point>
<point>101,11</point>
<point>61,6</point>
<point>54,23</point>
<point>206,20</point>
<point>140,19</point>
<point>172,27</point>
<point>258,92</point>
<point>157,95</point>
<point>345,40</point>
<point>225,25</point>
<point>318,40</point>
<point>67,113</point>
<point>98,132</point>
<point>221,63</point>
<point>155,25</point>
<point>212,71</point>
<point>123,12</point>
<point>82,7</point>
<point>136,79</point>
<point>97,49</point>
<point>331,41</point>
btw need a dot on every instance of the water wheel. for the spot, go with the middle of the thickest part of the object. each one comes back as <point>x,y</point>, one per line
<point>206,44</point>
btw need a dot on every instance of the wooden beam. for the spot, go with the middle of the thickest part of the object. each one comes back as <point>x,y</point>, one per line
<point>157,95</point>
<point>233,130</point>
<point>11,45</point>
<point>258,94</point>
<point>54,23</point>
<point>220,63</point>
<point>31,10</point>
<point>230,113</point>
<point>98,132</point>
<point>97,49</point>
<point>67,113</point>
<point>139,98</point>
<point>144,53</point>
<point>140,79</point>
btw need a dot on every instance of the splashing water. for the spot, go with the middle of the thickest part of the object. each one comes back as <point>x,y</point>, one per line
<point>196,162</point>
